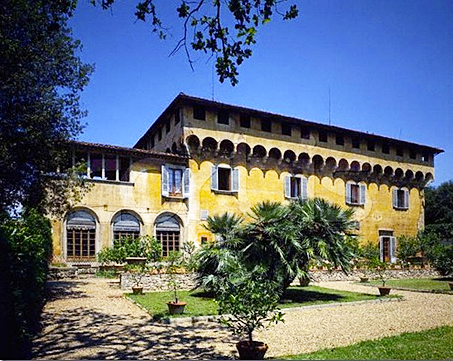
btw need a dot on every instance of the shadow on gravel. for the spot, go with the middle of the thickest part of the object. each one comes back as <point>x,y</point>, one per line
<point>84,333</point>
<point>57,290</point>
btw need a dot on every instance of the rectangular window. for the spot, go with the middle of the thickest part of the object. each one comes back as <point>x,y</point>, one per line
<point>413,154</point>
<point>401,198</point>
<point>175,181</point>
<point>81,159</point>
<point>199,113</point>
<point>204,240</point>
<point>223,117</point>
<point>355,194</point>
<point>120,235</point>
<point>95,166</point>
<point>224,179</point>
<point>266,125</point>
<point>399,152</point>
<point>355,143</point>
<point>81,245</point>
<point>124,168</point>
<point>425,157</point>
<point>167,126</point>
<point>304,133</point>
<point>110,167</point>
<point>296,187</point>
<point>151,142</point>
<point>385,148</point>
<point>387,246</point>
<point>339,140</point>
<point>159,134</point>
<point>286,128</point>
<point>245,121</point>
<point>322,134</point>
<point>169,241</point>
<point>370,146</point>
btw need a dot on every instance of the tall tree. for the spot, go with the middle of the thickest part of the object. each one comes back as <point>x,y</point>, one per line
<point>225,29</point>
<point>41,77</point>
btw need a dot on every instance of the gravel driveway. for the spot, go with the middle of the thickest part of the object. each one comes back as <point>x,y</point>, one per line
<point>87,319</point>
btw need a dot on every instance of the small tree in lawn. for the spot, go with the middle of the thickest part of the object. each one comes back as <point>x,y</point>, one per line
<point>249,302</point>
<point>174,262</point>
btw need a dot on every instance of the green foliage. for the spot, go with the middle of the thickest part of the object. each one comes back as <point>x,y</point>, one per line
<point>437,238</point>
<point>282,239</point>
<point>174,263</point>
<point>144,246</point>
<point>40,81</point>
<point>25,247</point>
<point>380,267</point>
<point>408,247</point>
<point>248,301</point>
<point>369,250</point>
<point>224,29</point>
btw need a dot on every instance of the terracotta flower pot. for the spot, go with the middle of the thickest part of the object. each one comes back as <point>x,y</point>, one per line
<point>176,308</point>
<point>251,351</point>
<point>384,291</point>
<point>363,279</point>
<point>137,290</point>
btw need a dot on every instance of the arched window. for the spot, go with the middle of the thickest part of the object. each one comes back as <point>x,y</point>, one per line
<point>125,225</point>
<point>168,233</point>
<point>80,236</point>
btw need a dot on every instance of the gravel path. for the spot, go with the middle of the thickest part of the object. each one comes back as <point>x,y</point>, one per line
<point>87,319</point>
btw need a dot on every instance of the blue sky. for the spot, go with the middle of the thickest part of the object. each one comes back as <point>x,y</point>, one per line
<point>388,65</point>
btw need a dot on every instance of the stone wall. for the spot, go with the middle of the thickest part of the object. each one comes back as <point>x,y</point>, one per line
<point>159,282</point>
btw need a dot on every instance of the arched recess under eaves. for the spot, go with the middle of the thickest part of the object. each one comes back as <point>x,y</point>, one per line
<point>409,175</point>
<point>331,163</point>
<point>226,147</point>
<point>304,159</point>
<point>399,174</point>
<point>259,151</point>
<point>275,153</point>
<point>209,144</point>
<point>193,142</point>
<point>289,156</point>
<point>419,176</point>
<point>377,169</point>
<point>366,167</point>
<point>355,166</point>
<point>343,165</point>
<point>243,148</point>
<point>388,171</point>
<point>318,162</point>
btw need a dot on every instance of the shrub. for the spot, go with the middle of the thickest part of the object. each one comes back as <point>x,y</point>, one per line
<point>439,252</point>
<point>144,246</point>
<point>25,248</point>
<point>408,247</point>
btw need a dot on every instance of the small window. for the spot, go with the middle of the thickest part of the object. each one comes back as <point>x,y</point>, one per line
<point>245,121</point>
<point>355,194</point>
<point>124,168</point>
<point>370,146</point>
<point>224,178</point>
<point>425,157</point>
<point>110,167</point>
<point>96,166</point>
<point>223,117</point>
<point>204,240</point>
<point>356,143</point>
<point>151,142</point>
<point>387,247</point>
<point>266,125</point>
<point>322,134</point>
<point>339,140</point>
<point>296,187</point>
<point>159,134</point>
<point>175,181</point>
<point>413,154</point>
<point>167,126</point>
<point>385,148</point>
<point>304,133</point>
<point>177,116</point>
<point>286,128</point>
<point>199,113</point>
<point>399,152</point>
<point>401,198</point>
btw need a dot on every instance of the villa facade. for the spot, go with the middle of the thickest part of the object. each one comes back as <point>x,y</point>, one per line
<point>201,158</point>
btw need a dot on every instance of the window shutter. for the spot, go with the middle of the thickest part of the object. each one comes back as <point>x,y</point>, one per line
<point>392,249</point>
<point>304,188</point>
<point>362,194</point>
<point>395,198</point>
<point>235,180</point>
<point>381,249</point>
<point>348,193</point>
<point>288,186</point>
<point>406,199</point>
<point>186,183</point>
<point>214,179</point>
<point>164,181</point>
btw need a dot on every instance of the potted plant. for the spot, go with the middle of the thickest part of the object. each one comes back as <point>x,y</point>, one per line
<point>174,263</point>
<point>380,268</point>
<point>137,271</point>
<point>248,303</point>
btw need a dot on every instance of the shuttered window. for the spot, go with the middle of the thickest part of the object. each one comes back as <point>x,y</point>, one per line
<point>175,181</point>
<point>355,194</point>
<point>401,198</point>
<point>224,178</point>
<point>80,236</point>
<point>296,187</point>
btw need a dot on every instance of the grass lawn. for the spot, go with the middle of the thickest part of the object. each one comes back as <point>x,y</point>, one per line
<point>201,304</point>
<point>429,284</point>
<point>434,344</point>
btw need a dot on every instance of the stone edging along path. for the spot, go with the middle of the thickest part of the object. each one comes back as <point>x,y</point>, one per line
<point>215,318</point>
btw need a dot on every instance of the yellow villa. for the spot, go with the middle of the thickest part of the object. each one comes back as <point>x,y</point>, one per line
<point>202,157</point>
